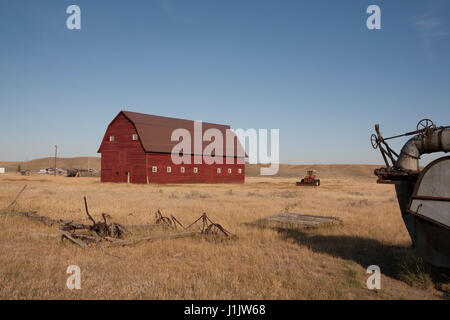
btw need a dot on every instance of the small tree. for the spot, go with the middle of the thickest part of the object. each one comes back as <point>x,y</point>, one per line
<point>19,168</point>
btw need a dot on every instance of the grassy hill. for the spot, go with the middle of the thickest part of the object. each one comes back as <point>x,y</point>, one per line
<point>328,171</point>
<point>285,170</point>
<point>36,164</point>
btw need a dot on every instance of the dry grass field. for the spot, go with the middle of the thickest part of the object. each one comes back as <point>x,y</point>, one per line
<point>322,263</point>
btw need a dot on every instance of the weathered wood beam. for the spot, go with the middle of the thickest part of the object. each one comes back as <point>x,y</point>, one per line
<point>116,242</point>
<point>65,234</point>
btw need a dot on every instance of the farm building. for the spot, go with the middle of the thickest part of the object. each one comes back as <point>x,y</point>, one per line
<point>138,148</point>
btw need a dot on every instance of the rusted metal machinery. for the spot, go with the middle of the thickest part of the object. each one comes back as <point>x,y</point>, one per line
<point>423,195</point>
<point>310,179</point>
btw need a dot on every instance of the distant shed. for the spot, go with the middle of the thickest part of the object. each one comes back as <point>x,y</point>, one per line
<point>138,147</point>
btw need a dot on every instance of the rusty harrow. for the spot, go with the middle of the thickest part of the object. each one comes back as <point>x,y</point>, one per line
<point>111,234</point>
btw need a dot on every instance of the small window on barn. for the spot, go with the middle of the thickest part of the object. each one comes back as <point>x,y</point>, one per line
<point>154,169</point>
<point>111,138</point>
<point>219,170</point>
<point>195,170</point>
<point>182,169</point>
<point>229,170</point>
<point>135,137</point>
<point>169,169</point>
<point>239,171</point>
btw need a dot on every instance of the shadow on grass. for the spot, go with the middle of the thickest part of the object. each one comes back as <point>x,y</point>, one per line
<point>363,251</point>
<point>397,262</point>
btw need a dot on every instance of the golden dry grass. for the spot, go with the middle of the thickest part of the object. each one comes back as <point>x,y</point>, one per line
<point>323,263</point>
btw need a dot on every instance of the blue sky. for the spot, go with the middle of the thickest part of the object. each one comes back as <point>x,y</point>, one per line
<point>310,68</point>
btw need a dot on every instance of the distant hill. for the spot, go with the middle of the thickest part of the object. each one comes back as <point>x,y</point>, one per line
<point>326,171</point>
<point>64,163</point>
<point>252,170</point>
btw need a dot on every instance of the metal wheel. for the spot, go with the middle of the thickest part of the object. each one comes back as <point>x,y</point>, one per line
<point>425,125</point>
<point>212,229</point>
<point>164,221</point>
<point>374,140</point>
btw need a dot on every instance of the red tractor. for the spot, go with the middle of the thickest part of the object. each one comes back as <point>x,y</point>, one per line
<point>310,179</point>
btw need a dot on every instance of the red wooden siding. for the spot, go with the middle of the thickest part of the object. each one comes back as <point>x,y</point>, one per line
<point>123,154</point>
<point>206,173</point>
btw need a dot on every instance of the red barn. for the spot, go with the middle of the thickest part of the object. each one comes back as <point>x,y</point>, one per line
<point>137,147</point>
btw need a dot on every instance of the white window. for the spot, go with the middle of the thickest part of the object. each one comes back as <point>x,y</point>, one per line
<point>239,171</point>
<point>195,170</point>
<point>111,138</point>
<point>182,169</point>
<point>219,170</point>
<point>169,169</point>
<point>229,170</point>
<point>135,137</point>
<point>154,169</point>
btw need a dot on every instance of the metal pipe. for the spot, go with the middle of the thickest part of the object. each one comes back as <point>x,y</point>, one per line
<point>438,140</point>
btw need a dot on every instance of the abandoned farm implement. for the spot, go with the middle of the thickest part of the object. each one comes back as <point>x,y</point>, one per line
<point>423,195</point>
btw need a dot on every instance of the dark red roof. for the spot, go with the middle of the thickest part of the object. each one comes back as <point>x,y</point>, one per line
<point>155,131</point>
